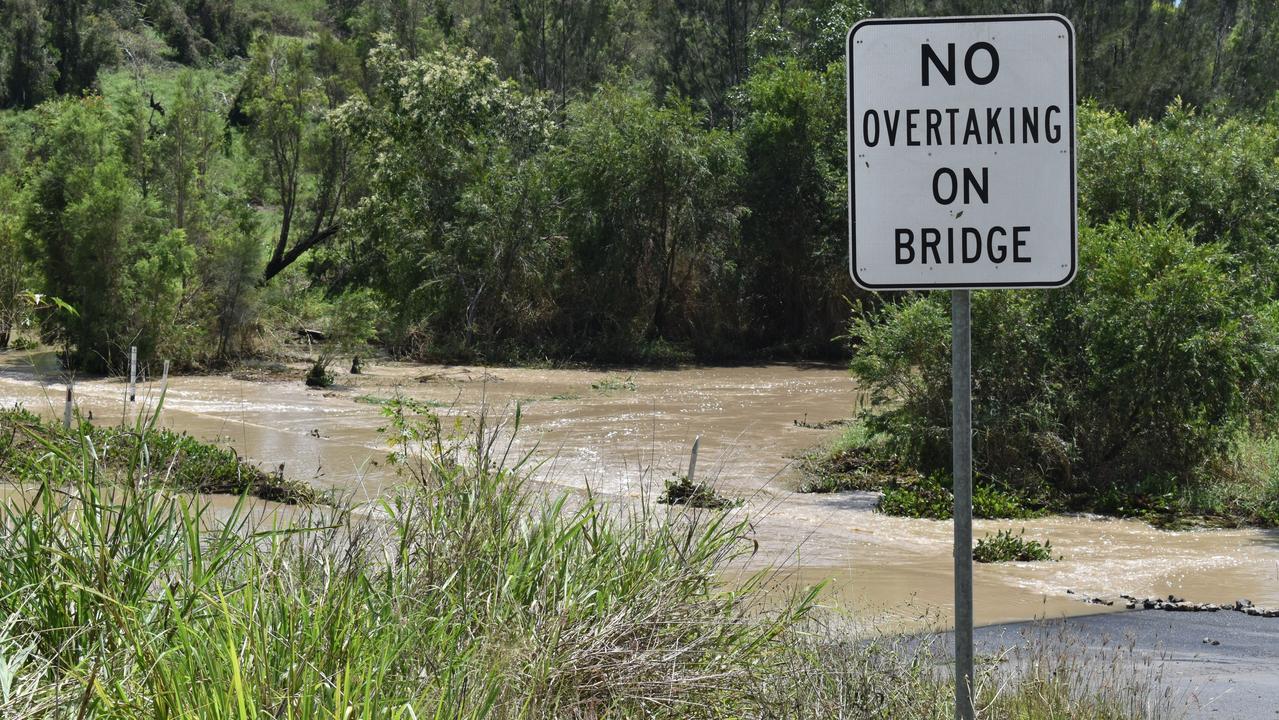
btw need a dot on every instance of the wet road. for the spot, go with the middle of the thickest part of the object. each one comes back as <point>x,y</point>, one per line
<point>1236,678</point>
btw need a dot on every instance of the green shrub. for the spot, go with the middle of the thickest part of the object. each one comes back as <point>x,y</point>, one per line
<point>932,497</point>
<point>1003,546</point>
<point>924,498</point>
<point>1217,177</point>
<point>319,376</point>
<point>1146,366</point>
<point>992,502</point>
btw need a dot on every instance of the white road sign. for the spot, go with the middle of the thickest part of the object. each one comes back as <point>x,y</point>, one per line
<point>961,148</point>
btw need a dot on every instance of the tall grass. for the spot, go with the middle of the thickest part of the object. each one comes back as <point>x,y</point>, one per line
<point>467,594</point>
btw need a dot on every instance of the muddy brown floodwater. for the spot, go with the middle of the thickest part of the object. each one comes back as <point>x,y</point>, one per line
<point>624,432</point>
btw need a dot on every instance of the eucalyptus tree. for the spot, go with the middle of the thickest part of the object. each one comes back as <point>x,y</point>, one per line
<point>290,91</point>
<point>452,223</point>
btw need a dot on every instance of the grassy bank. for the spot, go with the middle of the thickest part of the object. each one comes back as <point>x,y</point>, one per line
<point>141,453</point>
<point>462,595</point>
<point>1241,490</point>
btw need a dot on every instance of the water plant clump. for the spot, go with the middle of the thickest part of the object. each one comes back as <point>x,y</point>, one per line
<point>931,497</point>
<point>1003,546</point>
<point>682,491</point>
<point>614,384</point>
<point>319,376</point>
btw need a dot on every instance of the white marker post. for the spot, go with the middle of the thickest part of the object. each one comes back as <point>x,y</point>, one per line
<point>133,373</point>
<point>961,175</point>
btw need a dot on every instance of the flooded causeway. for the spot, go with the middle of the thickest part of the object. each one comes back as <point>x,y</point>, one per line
<point>624,432</point>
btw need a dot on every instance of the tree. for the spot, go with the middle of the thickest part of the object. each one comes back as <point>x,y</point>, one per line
<point>651,215</point>
<point>304,162</point>
<point>97,242</point>
<point>191,132</point>
<point>795,240</point>
<point>702,48</point>
<point>453,211</point>
<point>27,66</point>
<point>14,270</point>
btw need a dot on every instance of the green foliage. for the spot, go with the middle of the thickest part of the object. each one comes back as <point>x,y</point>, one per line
<point>98,240</point>
<point>319,376</point>
<point>290,89</point>
<point>1003,546</point>
<point>199,30</point>
<point>651,214</point>
<point>230,268</point>
<point>141,454</point>
<point>855,460</point>
<point>1146,366</point>
<point>659,182</point>
<point>931,497</point>
<point>15,271</point>
<point>27,62</point>
<point>1137,56</point>
<point>682,491</point>
<point>448,225</point>
<point>1216,177</point>
<point>354,320</point>
<point>924,498</point>
<point>990,501</point>
<point>794,239</point>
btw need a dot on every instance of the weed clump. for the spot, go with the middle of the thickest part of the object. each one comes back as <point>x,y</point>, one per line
<point>1003,546</point>
<point>682,491</point>
<point>144,454</point>
<point>923,498</point>
<point>852,461</point>
<point>931,498</point>
<point>614,384</point>
<point>319,376</point>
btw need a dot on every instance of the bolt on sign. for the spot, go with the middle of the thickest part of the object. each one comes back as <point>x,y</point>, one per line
<point>961,148</point>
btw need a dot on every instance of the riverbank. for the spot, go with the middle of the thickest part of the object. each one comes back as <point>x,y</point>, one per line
<point>1239,491</point>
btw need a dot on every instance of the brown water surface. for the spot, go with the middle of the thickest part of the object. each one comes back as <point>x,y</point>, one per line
<point>623,432</point>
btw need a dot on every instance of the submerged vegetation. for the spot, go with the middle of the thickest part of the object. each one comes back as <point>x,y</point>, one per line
<point>140,453</point>
<point>462,594</point>
<point>683,491</point>
<point>1003,546</point>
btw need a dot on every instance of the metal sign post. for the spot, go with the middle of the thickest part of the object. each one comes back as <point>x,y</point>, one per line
<point>961,432</point>
<point>961,175</point>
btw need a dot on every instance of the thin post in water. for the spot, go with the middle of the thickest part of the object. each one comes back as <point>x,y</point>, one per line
<point>962,473</point>
<point>133,373</point>
<point>692,458</point>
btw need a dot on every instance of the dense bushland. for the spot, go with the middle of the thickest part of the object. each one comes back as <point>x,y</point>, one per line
<point>592,180</point>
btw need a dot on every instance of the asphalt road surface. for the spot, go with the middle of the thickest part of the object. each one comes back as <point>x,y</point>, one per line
<point>1218,665</point>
